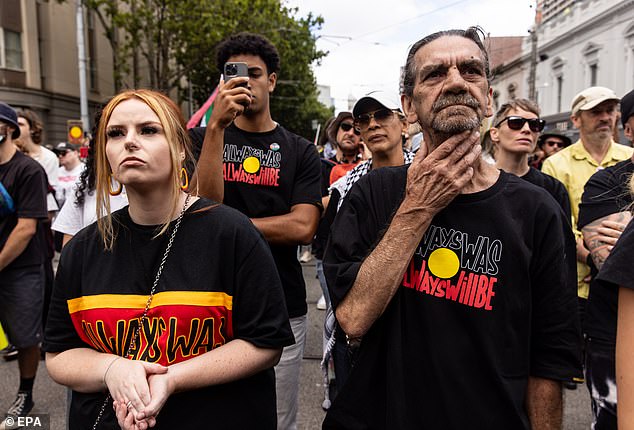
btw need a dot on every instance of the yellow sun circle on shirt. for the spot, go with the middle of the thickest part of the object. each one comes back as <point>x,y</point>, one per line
<point>443,263</point>
<point>251,164</point>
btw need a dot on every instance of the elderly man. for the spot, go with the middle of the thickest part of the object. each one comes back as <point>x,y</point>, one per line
<point>451,274</point>
<point>594,113</point>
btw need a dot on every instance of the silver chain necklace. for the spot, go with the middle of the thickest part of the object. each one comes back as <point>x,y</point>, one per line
<point>137,332</point>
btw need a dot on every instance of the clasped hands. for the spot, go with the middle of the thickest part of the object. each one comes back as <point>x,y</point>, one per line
<point>139,390</point>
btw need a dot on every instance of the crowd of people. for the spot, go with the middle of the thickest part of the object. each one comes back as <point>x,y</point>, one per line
<point>469,272</point>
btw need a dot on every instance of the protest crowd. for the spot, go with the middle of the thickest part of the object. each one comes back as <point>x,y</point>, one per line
<point>473,265</point>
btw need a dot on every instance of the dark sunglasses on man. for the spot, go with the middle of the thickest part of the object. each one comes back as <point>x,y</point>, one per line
<point>517,122</point>
<point>61,153</point>
<point>381,116</point>
<point>555,142</point>
<point>346,126</point>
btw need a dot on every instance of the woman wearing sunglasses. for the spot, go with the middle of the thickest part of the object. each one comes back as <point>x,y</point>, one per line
<point>382,125</point>
<point>169,309</point>
<point>516,127</point>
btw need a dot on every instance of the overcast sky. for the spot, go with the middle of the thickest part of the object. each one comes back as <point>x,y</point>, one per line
<point>367,40</point>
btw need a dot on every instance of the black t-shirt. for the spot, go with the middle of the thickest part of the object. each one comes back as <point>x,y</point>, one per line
<point>25,181</point>
<point>266,174</point>
<point>219,283</point>
<point>554,187</point>
<point>485,303</point>
<point>605,193</point>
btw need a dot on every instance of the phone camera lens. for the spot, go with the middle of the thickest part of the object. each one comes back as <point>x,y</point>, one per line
<point>232,70</point>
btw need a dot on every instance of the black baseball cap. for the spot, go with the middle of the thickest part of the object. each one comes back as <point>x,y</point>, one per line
<point>7,114</point>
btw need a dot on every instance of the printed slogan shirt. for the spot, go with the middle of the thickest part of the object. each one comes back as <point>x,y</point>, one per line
<point>486,302</point>
<point>266,174</point>
<point>219,283</point>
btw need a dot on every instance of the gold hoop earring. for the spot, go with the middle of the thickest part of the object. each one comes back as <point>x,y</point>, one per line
<point>185,185</point>
<point>110,190</point>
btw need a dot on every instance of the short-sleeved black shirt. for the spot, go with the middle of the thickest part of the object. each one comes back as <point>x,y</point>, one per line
<point>26,183</point>
<point>219,283</point>
<point>605,193</point>
<point>486,302</point>
<point>266,174</point>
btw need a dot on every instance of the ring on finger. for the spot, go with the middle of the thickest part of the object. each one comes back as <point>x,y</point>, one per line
<point>129,404</point>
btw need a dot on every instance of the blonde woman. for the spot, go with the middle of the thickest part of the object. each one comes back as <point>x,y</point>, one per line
<point>171,306</point>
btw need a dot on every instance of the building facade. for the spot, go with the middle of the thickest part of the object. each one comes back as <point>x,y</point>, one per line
<point>580,43</point>
<point>39,61</point>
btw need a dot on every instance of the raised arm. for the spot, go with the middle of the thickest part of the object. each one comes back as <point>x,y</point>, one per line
<point>432,183</point>
<point>229,103</point>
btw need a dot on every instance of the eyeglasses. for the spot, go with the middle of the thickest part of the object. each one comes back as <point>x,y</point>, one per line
<point>61,153</point>
<point>517,122</point>
<point>346,126</point>
<point>381,116</point>
<point>554,143</point>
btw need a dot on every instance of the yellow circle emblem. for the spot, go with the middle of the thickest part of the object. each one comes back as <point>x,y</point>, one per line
<point>251,164</point>
<point>443,263</point>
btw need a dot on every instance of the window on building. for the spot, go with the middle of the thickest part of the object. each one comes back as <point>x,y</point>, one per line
<point>10,50</point>
<point>594,68</point>
<point>560,87</point>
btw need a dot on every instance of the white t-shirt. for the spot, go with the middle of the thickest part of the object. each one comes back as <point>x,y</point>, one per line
<point>67,181</point>
<point>73,218</point>
<point>49,161</point>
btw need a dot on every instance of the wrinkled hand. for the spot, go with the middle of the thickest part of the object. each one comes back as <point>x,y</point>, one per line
<point>230,102</point>
<point>610,231</point>
<point>127,380</point>
<point>434,179</point>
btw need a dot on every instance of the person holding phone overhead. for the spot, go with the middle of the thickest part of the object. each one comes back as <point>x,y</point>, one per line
<point>272,176</point>
<point>170,306</point>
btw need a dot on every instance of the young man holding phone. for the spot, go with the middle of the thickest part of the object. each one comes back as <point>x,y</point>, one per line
<point>269,174</point>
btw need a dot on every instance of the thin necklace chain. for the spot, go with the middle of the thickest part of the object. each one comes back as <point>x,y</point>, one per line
<point>148,303</point>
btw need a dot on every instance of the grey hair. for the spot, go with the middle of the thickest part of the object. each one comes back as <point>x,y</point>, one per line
<point>476,34</point>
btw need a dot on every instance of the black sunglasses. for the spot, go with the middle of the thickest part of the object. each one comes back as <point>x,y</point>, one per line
<point>346,126</point>
<point>382,116</point>
<point>555,143</point>
<point>517,122</point>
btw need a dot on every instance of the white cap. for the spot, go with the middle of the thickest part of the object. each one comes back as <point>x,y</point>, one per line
<point>591,97</point>
<point>383,98</point>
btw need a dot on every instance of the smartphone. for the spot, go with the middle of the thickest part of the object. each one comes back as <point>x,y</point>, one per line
<point>234,70</point>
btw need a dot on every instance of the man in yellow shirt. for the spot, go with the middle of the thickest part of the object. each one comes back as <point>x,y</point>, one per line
<point>594,114</point>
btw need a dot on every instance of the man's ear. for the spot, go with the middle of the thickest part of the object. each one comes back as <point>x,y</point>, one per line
<point>576,120</point>
<point>408,109</point>
<point>489,108</point>
<point>272,81</point>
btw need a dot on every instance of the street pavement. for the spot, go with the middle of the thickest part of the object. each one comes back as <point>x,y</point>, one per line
<point>50,398</point>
